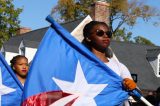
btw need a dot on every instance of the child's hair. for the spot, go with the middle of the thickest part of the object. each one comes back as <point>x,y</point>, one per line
<point>15,58</point>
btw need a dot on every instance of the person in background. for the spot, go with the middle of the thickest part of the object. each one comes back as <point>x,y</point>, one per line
<point>97,36</point>
<point>151,98</point>
<point>20,66</point>
<point>157,97</point>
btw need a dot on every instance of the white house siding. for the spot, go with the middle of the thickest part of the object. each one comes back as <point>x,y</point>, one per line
<point>78,31</point>
<point>154,65</point>
<point>9,56</point>
<point>29,53</point>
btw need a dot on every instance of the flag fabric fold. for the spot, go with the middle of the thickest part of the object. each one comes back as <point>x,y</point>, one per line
<point>64,72</point>
<point>10,87</point>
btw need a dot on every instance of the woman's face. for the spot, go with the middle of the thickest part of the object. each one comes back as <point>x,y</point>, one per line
<point>100,38</point>
<point>21,67</point>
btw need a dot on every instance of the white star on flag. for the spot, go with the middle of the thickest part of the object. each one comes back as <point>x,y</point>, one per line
<point>4,89</point>
<point>80,89</point>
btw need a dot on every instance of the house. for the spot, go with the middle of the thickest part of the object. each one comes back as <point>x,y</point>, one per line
<point>27,43</point>
<point>143,61</point>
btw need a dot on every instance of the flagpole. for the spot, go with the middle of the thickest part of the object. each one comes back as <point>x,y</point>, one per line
<point>145,101</point>
<point>136,92</point>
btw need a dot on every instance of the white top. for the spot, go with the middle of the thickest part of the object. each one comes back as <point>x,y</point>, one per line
<point>118,68</point>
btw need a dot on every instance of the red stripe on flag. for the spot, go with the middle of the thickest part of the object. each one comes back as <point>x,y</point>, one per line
<point>45,99</point>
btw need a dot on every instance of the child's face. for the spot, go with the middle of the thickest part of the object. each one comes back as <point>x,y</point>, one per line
<point>21,67</point>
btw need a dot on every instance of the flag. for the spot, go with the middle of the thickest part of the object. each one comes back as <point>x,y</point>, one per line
<point>78,31</point>
<point>10,87</point>
<point>64,72</point>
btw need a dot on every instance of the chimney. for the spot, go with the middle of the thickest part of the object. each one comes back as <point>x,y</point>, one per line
<point>23,30</point>
<point>100,11</point>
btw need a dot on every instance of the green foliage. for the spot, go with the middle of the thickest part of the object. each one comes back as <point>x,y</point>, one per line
<point>127,12</point>
<point>122,35</point>
<point>9,22</point>
<point>72,9</point>
<point>142,40</point>
<point>121,12</point>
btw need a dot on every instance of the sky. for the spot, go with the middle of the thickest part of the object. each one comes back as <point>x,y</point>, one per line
<point>35,11</point>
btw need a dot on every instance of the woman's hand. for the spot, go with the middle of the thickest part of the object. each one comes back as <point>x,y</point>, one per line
<point>129,84</point>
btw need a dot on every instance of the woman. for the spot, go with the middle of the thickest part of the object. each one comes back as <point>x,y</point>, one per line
<point>20,66</point>
<point>97,38</point>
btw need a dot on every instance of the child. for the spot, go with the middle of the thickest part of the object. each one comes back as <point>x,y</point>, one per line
<point>20,66</point>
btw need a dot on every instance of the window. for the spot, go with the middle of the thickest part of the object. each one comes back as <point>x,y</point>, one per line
<point>159,66</point>
<point>135,77</point>
<point>22,50</point>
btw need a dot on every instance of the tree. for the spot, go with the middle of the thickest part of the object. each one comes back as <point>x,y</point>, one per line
<point>142,40</point>
<point>121,12</point>
<point>71,9</point>
<point>127,12</point>
<point>9,22</point>
<point>123,35</point>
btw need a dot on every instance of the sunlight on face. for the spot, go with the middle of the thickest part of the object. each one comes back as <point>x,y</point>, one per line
<point>21,67</point>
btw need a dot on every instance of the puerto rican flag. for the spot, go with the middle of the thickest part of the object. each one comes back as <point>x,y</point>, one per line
<point>10,87</point>
<point>64,73</point>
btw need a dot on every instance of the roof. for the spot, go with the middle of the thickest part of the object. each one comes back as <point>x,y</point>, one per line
<point>31,44</point>
<point>152,53</point>
<point>15,41</point>
<point>134,57</point>
<point>34,36</point>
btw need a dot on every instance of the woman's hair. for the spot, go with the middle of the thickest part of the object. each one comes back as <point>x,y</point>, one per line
<point>88,27</point>
<point>14,60</point>
<point>87,31</point>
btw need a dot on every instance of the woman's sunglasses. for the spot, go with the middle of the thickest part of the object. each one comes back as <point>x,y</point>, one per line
<point>101,33</point>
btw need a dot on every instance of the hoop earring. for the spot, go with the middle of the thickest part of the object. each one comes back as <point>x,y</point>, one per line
<point>87,39</point>
<point>13,68</point>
